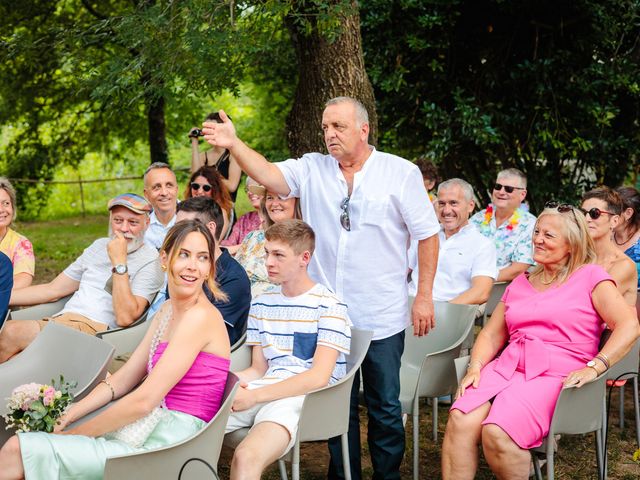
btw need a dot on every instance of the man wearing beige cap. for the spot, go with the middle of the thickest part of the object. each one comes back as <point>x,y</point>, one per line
<point>112,282</point>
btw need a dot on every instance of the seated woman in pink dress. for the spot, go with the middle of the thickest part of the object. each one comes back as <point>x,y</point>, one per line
<point>550,321</point>
<point>186,356</point>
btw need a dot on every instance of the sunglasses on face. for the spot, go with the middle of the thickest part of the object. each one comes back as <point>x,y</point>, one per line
<point>595,213</point>
<point>196,186</point>
<point>345,221</point>
<point>507,188</point>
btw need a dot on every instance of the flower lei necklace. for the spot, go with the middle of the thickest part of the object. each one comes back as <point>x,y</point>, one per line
<point>511,224</point>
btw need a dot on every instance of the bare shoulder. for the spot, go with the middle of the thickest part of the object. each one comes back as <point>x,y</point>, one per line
<point>622,268</point>
<point>205,321</point>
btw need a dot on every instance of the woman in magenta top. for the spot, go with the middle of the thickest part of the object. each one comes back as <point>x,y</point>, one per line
<point>186,355</point>
<point>549,323</point>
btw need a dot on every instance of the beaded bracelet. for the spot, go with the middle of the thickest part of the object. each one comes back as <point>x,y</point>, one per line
<point>604,359</point>
<point>113,392</point>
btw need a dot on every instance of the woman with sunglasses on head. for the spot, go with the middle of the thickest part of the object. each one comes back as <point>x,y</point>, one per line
<point>207,182</point>
<point>626,235</point>
<point>546,330</point>
<point>602,207</point>
<point>251,254</point>
<point>181,364</point>
<point>248,222</point>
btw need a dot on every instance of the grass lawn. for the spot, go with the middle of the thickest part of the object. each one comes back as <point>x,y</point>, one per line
<point>58,242</point>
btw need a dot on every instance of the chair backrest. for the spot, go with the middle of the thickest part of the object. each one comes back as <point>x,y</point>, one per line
<point>37,312</point>
<point>461,364</point>
<point>325,412</point>
<point>628,363</point>
<point>579,410</point>
<point>57,350</point>
<point>452,324</point>
<point>125,340</point>
<point>239,342</point>
<point>240,358</point>
<point>497,290</point>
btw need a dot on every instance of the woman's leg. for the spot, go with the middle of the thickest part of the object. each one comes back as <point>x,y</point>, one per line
<point>11,460</point>
<point>460,445</point>
<point>506,459</point>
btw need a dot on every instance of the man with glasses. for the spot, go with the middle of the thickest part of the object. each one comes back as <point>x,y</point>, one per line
<point>509,224</point>
<point>364,206</point>
<point>161,191</point>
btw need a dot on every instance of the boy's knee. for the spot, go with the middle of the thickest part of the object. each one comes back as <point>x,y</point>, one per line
<point>244,458</point>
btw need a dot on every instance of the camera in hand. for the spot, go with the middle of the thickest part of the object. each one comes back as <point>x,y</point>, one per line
<point>196,132</point>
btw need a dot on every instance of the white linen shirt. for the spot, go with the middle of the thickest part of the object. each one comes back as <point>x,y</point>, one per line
<point>367,266</point>
<point>464,255</point>
<point>156,232</point>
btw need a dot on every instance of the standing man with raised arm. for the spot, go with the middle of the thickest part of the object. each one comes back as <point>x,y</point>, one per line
<point>365,205</point>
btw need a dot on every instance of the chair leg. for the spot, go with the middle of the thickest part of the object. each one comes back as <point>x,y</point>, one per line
<point>434,401</point>
<point>636,407</point>
<point>621,407</point>
<point>295,463</point>
<point>600,456</point>
<point>283,469</point>
<point>550,466</point>
<point>346,463</point>
<point>415,420</point>
<point>603,439</point>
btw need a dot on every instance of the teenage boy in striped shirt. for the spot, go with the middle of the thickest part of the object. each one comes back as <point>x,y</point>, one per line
<point>300,333</point>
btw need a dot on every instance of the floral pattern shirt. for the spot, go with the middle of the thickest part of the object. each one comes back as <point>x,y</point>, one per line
<point>633,252</point>
<point>251,256</point>
<point>20,251</point>
<point>512,238</point>
<point>246,223</point>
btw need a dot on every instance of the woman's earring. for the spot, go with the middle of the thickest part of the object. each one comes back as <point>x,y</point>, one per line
<point>163,267</point>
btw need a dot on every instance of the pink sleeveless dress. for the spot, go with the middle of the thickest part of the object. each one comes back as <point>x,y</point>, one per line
<point>551,333</point>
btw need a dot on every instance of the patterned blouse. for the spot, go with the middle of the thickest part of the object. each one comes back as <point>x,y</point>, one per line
<point>633,252</point>
<point>251,256</point>
<point>246,223</point>
<point>20,251</point>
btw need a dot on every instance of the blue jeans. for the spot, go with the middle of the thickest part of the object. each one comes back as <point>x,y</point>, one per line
<point>381,378</point>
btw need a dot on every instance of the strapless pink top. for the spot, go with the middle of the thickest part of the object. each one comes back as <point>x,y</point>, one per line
<point>199,392</point>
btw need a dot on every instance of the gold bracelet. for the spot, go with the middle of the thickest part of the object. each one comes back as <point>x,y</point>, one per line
<point>113,392</point>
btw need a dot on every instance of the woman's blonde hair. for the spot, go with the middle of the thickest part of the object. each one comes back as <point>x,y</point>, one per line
<point>174,240</point>
<point>297,211</point>
<point>581,248</point>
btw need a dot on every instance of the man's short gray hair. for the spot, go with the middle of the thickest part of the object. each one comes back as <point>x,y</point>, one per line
<point>514,173</point>
<point>361,112</point>
<point>467,189</point>
<point>153,166</point>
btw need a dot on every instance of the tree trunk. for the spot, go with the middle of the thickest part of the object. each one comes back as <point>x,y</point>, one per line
<point>157,131</point>
<point>327,69</point>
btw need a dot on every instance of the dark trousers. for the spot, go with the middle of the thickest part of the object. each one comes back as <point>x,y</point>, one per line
<point>381,379</point>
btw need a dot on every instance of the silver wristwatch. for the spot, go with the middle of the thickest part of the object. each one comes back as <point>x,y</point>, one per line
<point>120,269</point>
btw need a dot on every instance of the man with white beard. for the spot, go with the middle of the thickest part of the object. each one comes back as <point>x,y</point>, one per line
<point>112,282</point>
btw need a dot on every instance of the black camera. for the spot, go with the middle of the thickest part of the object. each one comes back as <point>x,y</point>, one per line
<point>196,132</point>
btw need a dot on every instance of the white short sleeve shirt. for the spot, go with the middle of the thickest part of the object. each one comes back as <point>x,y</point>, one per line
<point>462,256</point>
<point>366,266</point>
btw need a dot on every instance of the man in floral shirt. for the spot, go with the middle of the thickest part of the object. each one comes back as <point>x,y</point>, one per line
<point>508,222</point>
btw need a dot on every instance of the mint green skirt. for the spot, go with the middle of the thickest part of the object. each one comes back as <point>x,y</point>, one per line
<point>48,456</point>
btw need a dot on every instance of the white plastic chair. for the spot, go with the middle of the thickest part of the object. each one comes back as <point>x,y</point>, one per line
<point>427,368</point>
<point>494,298</point>
<point>195,458</point>
<point>325,412</point>
<point>36,312</point>
<point>57,350</point>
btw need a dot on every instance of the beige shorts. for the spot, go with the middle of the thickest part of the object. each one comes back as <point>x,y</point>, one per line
<point>285,412</point>
<point>75,321</point>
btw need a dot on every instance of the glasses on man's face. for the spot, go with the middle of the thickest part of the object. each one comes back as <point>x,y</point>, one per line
<point>562,208</point>
<point>595,213</point>
<point>507,188</point>
<point>345,221</point>
<point>196,186</point>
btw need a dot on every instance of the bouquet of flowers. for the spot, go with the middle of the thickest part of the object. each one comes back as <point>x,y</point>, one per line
<point>36,408</point>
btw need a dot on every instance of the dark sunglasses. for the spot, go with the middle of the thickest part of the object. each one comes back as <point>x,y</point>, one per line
<point>507,188</point>
<point>345,221</point>
<point>562,208</point>
<point>595,213</point>
<point>196,186</point>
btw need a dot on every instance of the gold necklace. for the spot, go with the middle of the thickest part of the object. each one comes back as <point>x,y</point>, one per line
<point>545,282</point>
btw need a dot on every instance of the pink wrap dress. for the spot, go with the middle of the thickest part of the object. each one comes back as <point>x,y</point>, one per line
<point>551,333</point>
